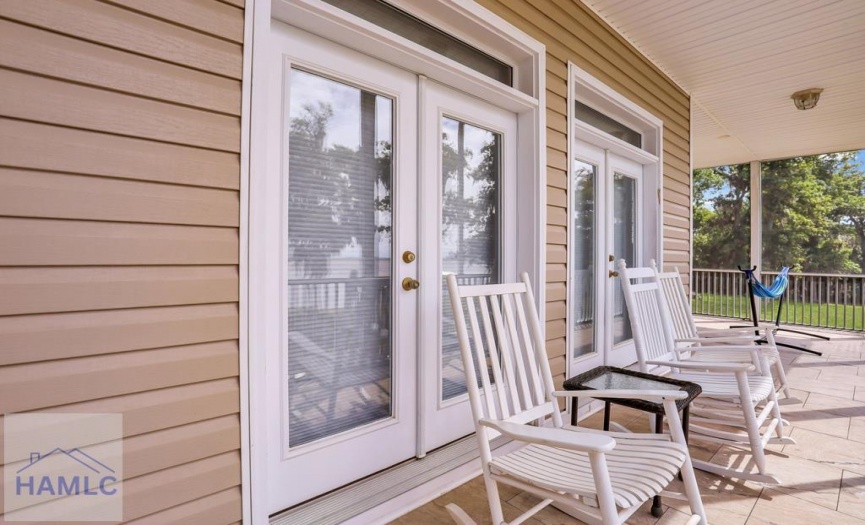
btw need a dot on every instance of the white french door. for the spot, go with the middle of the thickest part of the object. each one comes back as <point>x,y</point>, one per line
<point>336,216</point>
<point>467,177</point>
<point>606,224</point>
<point>624,225</point>
<point>378,182</point>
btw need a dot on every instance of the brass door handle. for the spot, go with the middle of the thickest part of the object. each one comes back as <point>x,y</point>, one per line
<point>409,284</point>
<point>613,273</point>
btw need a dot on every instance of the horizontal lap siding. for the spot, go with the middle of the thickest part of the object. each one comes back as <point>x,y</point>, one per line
<point>119,215</point>
<point>570,31</point>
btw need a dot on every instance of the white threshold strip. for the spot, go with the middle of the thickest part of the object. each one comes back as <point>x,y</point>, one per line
<point>391,493</point>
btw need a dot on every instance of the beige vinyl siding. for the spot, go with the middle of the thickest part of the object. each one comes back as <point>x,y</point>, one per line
<point>572,32</point>
<point>119,215</point>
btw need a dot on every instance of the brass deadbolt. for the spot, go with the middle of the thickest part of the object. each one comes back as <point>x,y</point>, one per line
<point>409,284</point>
<point>408,256</point>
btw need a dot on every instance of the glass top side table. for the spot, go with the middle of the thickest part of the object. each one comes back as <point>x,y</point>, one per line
<point>609,377</point>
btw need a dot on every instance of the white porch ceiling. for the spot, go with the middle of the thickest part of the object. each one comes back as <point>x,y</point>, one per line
<point>742,59</point>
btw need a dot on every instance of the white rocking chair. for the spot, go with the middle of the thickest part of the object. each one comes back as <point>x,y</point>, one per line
<point>685,329</point>
<point>735,395</point>
<point>598,477</point>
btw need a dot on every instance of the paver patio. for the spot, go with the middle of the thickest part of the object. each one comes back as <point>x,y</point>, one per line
<point>823,475</point>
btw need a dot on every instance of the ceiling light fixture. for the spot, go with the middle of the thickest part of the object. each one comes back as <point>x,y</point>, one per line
<point>806,99</point>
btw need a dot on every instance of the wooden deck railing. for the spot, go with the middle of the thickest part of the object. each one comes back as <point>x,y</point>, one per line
<point>811,299</point>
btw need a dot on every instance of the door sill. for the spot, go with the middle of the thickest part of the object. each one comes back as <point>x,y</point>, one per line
<point>391,493</point>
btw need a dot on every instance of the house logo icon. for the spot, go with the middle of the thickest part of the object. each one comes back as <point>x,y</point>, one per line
<point>63,467</point>
<point>94,479</point>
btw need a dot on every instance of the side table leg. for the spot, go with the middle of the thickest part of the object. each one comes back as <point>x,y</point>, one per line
<point>685,416</point>
<point>606,415</point>
<point>574,411</point>
<point>657,509</point>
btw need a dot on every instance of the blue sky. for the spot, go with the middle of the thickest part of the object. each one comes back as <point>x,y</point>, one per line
<point>861,158</point>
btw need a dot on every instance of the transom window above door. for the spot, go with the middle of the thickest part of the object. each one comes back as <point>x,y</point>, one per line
<point>420,32</point>
<point>608,125</point>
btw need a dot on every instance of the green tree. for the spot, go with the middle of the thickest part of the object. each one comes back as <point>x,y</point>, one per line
<point>802,225</point>
<point>848,186</point>
<point>722,211</point>
<point>813,212</point>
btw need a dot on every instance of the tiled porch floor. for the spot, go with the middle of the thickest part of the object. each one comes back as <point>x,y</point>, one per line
<point>823,475</point>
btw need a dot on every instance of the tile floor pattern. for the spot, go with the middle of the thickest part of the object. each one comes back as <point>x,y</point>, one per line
<point>823,475</point>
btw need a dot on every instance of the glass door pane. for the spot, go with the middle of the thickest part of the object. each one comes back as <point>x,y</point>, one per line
<point>339,251</point>
<point>624,247</point>
<point>471,172</point>
<point>583,239</point>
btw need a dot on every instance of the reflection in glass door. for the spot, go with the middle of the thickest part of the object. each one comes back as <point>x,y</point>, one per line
<point>583,239</point>
<point>624,247</point>
<point>339,247</point>
<point>470,171</point>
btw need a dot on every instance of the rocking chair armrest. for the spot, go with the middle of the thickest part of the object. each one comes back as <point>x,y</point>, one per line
<point>711,366</point>
<point>554,437</point>
<point>647,395</point>
<point>714,340</point>
<point>754,349</point>
<point>757,352</point>
<point>709,332</point>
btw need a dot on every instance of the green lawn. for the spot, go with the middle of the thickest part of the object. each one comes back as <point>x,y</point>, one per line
<point>847,317</point>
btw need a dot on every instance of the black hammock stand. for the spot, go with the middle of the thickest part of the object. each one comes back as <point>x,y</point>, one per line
<point>777,290</point>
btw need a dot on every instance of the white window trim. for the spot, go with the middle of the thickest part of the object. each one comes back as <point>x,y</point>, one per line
<point>590,90</point>
<point>465,20</point>
<point>604,99</point>
<point>247,457</point>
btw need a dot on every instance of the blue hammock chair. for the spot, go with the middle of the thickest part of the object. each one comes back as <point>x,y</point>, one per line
<point>774,291</point>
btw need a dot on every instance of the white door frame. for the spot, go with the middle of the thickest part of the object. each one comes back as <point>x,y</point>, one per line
<point>467,21</point>
<point>587,89</point>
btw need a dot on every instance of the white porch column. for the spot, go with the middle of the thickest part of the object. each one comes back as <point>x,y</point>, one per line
<point>756,216</point>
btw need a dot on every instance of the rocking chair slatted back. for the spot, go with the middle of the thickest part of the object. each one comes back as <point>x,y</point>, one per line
<point>647,308</point>
<point>677,303</point>
<point>504,339</point>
